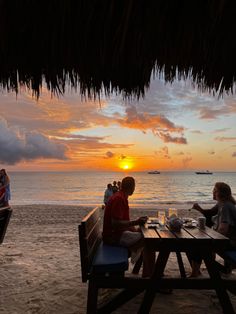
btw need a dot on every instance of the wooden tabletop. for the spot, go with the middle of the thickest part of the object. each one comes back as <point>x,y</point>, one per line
<point>158,238</point>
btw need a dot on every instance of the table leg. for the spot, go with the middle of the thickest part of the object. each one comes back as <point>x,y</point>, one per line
<point>92,298</point>
<point>181,264</point>
<point>151,290</point>
<point>219,285</point>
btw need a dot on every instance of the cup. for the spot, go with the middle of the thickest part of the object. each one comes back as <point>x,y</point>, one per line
<point>172,212</point>
<point>161,217</point>
<point>201,222</point>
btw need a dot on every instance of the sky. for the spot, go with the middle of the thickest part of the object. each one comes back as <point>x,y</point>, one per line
<point>175,127</point>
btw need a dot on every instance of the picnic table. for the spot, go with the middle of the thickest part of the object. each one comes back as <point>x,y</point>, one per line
<point>165,241</point>
<point>105,266</point>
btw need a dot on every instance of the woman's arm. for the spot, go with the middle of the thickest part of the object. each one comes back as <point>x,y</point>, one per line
<point>223,228</point>
<point>212,210</point>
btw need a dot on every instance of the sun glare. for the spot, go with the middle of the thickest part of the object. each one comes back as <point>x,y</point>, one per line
<point>126,165</point>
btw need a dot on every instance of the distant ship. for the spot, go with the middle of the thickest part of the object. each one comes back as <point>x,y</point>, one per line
<point>154,172</point>
<point>203,172</point>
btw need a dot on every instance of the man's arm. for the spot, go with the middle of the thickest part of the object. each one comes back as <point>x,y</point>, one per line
<point>129,223</point>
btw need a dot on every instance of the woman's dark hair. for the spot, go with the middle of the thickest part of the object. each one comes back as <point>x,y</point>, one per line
<point>224,192</point>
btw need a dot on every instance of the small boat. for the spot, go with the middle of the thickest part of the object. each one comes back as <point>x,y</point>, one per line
<point>203,172</point>
<point>154,172</point>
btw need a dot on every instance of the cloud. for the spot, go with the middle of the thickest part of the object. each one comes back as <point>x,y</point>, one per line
<point>196,132</point>
<point>158,124</point>
<point>167,138</point>
<point>16,147</point>
<point>145,121</point>
<point>109,154</point>
<point>225,139</point>
<point>92,144</point>
<point>211,152</point>
<point>221,130</point>
<point>211,114</point>
<point>163,152</point>
<point>122,157</point>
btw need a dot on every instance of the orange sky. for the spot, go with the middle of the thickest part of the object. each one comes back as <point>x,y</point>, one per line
<point>174,128</point>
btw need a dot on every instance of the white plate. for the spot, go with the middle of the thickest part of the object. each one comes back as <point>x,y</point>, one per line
<point>190,224</point>
<point>153,221</point>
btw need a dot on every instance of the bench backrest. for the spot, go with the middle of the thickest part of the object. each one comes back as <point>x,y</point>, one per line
<point>90,237</point>
<point>5,214</point>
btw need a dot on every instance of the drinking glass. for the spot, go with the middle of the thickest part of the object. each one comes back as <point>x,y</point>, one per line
<point>161,217</point>
<point>173,211</point>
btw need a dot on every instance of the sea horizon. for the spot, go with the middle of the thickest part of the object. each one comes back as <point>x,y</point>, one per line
<point>124,171</point>
<point>87,188</point>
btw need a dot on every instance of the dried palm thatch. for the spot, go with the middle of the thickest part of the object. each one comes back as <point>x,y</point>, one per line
<point>116,45</point>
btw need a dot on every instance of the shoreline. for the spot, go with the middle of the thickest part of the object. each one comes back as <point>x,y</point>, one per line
<point>156,206</point>
<point>40,267</point>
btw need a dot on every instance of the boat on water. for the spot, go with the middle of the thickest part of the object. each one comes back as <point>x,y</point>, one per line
<point>154,172</point>
<point>204,172</point>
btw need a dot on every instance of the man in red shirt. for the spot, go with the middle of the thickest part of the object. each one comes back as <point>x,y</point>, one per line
<point>118,229</point>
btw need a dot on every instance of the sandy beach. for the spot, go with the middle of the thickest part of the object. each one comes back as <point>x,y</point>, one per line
<point>40,267</point>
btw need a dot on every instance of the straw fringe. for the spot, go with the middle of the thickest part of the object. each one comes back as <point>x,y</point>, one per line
<point>116,45</point>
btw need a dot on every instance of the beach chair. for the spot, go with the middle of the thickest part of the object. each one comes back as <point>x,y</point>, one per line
<point>5,214</point>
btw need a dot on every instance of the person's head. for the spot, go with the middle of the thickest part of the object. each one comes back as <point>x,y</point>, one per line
<point>114,183</point>
<point>222,192</point>
<point>3,172</point>
<point>109,186</point>
<point>128,185</point>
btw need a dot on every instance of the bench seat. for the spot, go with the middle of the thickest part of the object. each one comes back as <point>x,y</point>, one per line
<point>231,255</point>
<point>110,258</point>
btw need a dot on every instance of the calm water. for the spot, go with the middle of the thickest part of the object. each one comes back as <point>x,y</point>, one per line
<point>87,188</point>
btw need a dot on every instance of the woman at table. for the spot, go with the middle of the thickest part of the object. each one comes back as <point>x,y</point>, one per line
<point>224,222</point>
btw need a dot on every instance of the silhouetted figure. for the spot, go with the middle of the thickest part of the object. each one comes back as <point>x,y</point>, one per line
<point>114,187</point>
<point>108,193</point>
<point>5,180</point>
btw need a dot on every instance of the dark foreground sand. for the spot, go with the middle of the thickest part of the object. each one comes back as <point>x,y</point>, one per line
<point>40,267</point>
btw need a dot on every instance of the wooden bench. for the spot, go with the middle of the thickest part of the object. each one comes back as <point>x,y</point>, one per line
<point>102,265</point>
<point>229,258</point>
<point>5,215</point>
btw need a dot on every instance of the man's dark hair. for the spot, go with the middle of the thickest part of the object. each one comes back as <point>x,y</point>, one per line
<point>127,184</point>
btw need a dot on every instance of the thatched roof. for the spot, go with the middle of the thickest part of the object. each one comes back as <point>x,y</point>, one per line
<point>116,44</point>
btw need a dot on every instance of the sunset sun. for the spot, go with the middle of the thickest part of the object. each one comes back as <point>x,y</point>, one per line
<point>126,165</point>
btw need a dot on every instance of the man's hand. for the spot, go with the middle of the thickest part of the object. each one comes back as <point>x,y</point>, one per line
<point>142,220</point>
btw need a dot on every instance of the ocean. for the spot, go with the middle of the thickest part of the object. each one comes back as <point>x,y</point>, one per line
<point>87,188</point>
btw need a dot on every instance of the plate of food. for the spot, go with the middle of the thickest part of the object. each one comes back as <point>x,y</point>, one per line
<point>189,223</point>
<point>153,220</point>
